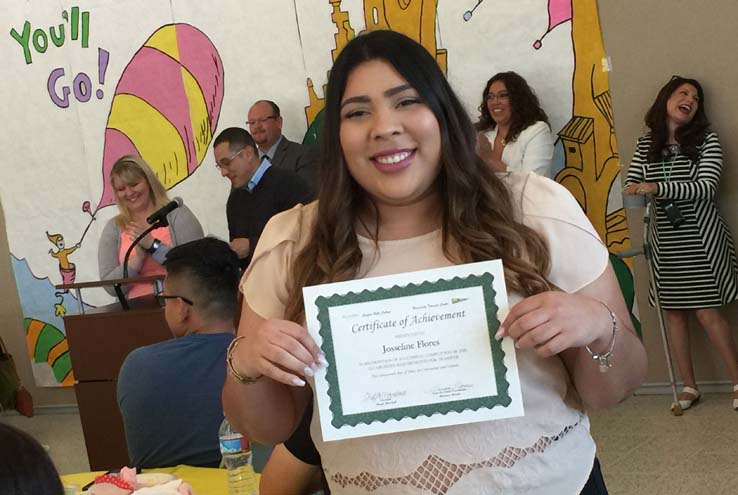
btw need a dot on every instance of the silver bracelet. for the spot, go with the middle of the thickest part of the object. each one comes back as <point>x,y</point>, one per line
<point>603,359</point>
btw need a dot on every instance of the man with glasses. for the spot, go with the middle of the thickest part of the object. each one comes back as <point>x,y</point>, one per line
<point>169,392</point>
<point>265,124</point>
<point>259,190</point>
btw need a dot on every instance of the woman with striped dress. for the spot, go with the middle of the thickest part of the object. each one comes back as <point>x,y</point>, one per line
<point>679,163</point>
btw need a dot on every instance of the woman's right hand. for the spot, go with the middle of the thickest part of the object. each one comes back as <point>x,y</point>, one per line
<point>484,148</point>
<point>134,229</point>
<point>642,188</point>
<point>279,349</point>
<point>631,189</point>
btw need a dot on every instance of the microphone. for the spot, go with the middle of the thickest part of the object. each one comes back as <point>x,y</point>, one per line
<point>160,215</point>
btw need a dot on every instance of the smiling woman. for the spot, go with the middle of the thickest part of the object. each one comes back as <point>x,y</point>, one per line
<point>390,138</point>
<point>679,163</point>
<point>404,190</point>
<point>138,193</point>
<point>514,132</point>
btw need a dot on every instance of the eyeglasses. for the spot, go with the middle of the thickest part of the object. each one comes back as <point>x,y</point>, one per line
<point>253,122</point>
<point>162,299</point>
<point>502,95</point>
<point>225,163</point>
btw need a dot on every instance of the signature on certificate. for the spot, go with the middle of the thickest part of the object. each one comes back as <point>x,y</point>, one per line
<point>381,398</point>
<point>446,391</point>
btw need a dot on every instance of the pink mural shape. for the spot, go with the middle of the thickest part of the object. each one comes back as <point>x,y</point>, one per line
<point>156,79</point>
<point>559,11</point>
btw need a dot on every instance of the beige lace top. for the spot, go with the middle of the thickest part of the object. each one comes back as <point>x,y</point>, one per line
<point>547,451</point>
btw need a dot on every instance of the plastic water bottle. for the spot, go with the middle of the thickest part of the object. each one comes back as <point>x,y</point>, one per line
<point>236,453</point>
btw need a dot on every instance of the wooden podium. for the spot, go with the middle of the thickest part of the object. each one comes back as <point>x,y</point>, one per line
<point>99,341</point>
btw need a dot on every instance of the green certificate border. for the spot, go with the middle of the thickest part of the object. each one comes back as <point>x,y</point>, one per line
<point>485,281</point>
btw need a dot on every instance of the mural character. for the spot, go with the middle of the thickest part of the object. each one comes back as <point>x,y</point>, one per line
<point>66,268</point>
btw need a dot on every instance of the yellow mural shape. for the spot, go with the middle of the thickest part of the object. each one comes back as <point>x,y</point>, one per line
<point>165,40</point>
<point>590,149</point>
<point>152,135</point>
<point>413,18</point>
<point>198,115</point>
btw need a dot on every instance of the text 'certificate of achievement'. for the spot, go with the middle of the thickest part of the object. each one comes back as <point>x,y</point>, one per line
<point>413,350</point>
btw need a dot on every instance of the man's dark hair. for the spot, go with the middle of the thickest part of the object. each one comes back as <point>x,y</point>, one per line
<point>275,108</point>
<point>236,138</point>
<point>25,467</point>
<point>209,270</point>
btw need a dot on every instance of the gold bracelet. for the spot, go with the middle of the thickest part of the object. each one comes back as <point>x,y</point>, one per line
<point>246,380</point>
<point>603,358</point>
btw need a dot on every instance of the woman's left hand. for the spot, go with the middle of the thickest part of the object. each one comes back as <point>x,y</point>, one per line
<point>551,322</point>
<point>134,229</point>
<point>641,188</point>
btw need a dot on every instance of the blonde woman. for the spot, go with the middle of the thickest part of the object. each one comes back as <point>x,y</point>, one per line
<point>138,194</point>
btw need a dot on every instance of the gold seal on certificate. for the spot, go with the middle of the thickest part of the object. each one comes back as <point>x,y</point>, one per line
<point>413,350</point>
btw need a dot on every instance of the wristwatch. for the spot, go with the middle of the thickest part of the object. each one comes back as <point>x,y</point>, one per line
<point>154,246</point>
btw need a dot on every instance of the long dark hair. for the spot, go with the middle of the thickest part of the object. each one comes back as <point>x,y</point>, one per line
<point>25,467</point>
<point>478,221</point>
<point>690,136</point>
<point>525,108</point>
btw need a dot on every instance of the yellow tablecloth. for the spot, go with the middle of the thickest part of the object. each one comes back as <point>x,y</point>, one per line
<point>204,481</point>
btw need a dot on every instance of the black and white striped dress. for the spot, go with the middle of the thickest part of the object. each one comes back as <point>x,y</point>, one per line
<point>695,263</point>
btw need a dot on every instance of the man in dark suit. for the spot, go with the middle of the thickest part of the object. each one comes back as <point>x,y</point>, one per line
<point>265,126</point>
<point>259,190</point>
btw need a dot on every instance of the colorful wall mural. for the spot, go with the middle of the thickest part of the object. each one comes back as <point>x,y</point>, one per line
<point>182,71</point>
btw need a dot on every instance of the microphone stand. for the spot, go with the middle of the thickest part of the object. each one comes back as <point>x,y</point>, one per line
<point>649,218</point>
<point>159,222</point>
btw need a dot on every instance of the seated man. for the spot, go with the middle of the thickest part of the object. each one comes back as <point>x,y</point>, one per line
<point>169,392</point>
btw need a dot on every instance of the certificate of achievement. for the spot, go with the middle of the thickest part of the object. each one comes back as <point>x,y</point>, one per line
<point>413,350</point>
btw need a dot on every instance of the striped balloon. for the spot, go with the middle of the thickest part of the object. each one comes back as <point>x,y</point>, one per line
<point>166,105</point>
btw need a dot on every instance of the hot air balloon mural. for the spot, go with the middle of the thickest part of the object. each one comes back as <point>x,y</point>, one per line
<point>166,105</point>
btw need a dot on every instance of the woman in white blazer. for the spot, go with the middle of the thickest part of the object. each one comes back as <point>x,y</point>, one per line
<point>514,135</point>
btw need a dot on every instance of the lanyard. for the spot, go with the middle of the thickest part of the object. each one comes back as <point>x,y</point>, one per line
<point>673,153</point>
<point>667,175</point>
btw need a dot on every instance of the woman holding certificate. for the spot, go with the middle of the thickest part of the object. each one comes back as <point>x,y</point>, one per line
<point>404,191</point>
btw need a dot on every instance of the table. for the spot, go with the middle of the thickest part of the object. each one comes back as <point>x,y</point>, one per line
<point>204,481</point>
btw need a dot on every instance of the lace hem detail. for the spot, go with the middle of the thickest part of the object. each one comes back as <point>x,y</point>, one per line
<point>437,475</point>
